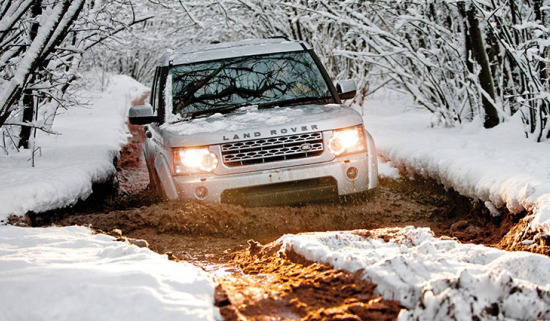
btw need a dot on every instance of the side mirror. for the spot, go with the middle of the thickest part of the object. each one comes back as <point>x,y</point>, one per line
<point>141,115</point>
<point>347,89</point>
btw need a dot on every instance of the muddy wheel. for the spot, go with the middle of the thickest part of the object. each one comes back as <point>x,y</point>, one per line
<point>155,186</point>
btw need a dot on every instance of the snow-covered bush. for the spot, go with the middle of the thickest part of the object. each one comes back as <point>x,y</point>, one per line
<point>520,48</point>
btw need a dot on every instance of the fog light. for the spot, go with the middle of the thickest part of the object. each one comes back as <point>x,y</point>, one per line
<point>201,192</point>
<point>352,172</point>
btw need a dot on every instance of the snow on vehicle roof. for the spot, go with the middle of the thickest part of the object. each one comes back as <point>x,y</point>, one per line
<point>241,48</point>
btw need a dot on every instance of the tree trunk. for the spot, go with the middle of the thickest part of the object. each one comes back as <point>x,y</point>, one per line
<point>28,114</point>
<point>28,101</point>
<point>543,73</point>
<point>485,76</point>
<point>467,39</point>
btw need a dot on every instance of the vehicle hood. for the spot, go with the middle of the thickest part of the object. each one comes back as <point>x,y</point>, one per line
<point>253,123</point>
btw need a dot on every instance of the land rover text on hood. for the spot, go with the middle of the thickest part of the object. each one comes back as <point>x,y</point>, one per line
<point>256,122</point>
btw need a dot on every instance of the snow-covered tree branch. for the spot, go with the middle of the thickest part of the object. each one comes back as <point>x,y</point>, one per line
<point>42,44</point>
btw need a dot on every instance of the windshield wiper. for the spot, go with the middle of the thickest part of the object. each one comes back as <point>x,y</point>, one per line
<point>290,102</point>
<point>280,103</point>
<point>223,110</point>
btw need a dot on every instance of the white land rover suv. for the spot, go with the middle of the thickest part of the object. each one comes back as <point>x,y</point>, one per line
<point>255,122</point>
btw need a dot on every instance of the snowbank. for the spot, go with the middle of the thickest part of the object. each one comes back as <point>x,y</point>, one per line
<point>91,136</point>
<point>437,279</point>
<point>70,274</point>
<point>499,165</point>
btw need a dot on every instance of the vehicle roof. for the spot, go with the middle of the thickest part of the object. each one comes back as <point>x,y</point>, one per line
<point>249,47</point>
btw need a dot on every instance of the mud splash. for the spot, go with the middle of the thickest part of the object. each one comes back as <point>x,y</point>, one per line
<point>420,203</point>
<point>131,176</point>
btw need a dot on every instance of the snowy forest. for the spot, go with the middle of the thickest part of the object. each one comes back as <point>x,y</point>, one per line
<point>463,60</point>
<point>150,171</point>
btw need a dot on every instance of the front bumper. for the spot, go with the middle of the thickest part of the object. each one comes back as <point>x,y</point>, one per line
<point>188,187</point>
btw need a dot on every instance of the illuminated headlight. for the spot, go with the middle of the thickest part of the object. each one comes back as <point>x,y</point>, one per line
<point>194,160</point>
<point>349,140</point>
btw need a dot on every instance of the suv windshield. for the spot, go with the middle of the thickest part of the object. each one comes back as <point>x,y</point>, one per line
<point>256,80</point>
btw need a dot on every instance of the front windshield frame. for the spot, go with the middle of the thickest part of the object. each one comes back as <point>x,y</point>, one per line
<point>331,97</point>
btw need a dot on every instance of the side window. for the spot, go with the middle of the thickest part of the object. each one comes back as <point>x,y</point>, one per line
<point>153,98</point>
<point>160,80</point>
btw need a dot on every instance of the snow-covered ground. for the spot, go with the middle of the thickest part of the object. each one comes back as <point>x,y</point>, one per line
<point>437,279</point>
<point>68,273</point>
<point>91,136</point>
<point>498,166</point>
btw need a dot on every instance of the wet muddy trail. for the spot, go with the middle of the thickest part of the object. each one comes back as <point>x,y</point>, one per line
<point>259,282</point>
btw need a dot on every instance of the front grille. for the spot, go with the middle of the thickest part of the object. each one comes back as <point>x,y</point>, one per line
<point>266,150</point>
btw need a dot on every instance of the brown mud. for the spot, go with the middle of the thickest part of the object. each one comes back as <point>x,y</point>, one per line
<point>257,282</point>
<point>131,175</point>
<point>284,285</point>
<point>420,203</point>
<point>521,238</point>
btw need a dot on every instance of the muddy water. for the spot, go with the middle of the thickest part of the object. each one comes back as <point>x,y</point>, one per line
<point>420,203</point>
<point>257,282</point>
